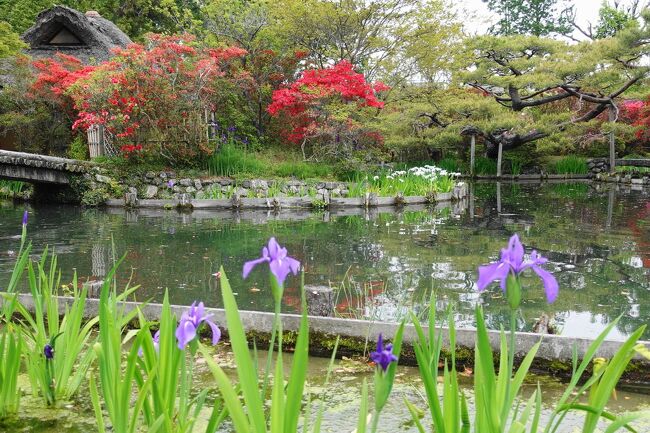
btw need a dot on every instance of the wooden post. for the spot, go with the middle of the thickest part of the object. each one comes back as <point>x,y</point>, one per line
<point>612,141</point>
<point>499,159</point>
<point>472,155</point>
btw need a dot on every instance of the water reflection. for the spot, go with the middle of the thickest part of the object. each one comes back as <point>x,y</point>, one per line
<point>381,262</point>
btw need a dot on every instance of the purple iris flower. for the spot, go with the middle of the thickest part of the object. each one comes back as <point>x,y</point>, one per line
<point>156,343</point>
<point>512,260</point>
<point>156,340</point>
<point>170,183</point>
<point>231,129</point>
<point>279,263</point>
<point>189,325</point>
<point>25,217</point>
<point>384,354</point>
<point>48,351</point>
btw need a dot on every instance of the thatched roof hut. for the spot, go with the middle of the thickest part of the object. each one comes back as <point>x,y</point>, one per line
<point>89,36</point>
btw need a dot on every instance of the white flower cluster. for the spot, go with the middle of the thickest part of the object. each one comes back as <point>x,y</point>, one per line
<point>429,172</point>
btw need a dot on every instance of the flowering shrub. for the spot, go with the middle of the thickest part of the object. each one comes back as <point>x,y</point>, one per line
<point>156,95</point>
<point>327,107</point>
<point>55,76</point>
<point>637,113</point>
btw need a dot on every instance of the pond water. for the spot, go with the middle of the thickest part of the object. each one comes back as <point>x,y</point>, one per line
<point>381,263</point>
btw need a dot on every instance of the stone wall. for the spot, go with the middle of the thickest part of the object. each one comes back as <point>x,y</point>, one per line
<point>166,185</point>
<point>598,165</point>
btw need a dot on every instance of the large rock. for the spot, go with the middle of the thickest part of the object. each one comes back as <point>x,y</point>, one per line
<point>151,191</point>
<point>320,301</point>
<point>102,179</point>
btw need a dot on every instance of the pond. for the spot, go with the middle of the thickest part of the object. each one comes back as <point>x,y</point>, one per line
<point>381,263</point>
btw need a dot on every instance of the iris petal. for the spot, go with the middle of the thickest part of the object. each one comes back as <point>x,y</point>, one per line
<point>185,333</point>
<point>516,252</point>
<point>248,266</point>
<point>280,268</point>
<point>551,286</point>
<point>294,265</point>
<point>216,332</point>
<point>274,248</point>
<point>491,272</point>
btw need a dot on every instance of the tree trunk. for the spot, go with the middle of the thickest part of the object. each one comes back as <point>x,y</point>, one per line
<point>509,140</point>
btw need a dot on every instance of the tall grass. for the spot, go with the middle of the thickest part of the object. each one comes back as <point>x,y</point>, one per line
<point>571,165</point>
<point>11,334</point>
<point>11,188</point>
<point>231,160</point>
<point>452,165</point>
<point>485,166</point>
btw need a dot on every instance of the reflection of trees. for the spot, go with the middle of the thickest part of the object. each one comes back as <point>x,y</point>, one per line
<point>406,254</point>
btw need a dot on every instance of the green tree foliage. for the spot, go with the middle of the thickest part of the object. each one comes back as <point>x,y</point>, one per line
<point>10,43</point>
<point>386,39</point>
<point>531,17</point>
<point>271,61</point>
<point>134,17</point>
<point>615,17</point>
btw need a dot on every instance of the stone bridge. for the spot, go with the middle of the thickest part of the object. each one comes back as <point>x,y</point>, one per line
<point>40,169</point>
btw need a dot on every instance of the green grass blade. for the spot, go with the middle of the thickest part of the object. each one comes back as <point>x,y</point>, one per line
<point>415,415</point>
<point>230,397</point>
<point>248,381</point>
<point>297,379</point>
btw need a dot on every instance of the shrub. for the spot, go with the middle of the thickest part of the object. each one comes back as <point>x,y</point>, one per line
<point>325,108</point>
<point>79,149</point>
<point>157,97</point>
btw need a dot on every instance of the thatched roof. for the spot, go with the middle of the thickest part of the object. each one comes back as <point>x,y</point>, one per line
<point>89,37</point>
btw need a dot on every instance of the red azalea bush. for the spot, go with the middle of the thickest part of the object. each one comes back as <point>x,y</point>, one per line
<point>55,76</point>
<point>637,113</point>
<point>155,98</point>
<point>329,108</point>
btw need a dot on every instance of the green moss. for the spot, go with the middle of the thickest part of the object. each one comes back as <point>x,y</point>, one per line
<point>557,366</point>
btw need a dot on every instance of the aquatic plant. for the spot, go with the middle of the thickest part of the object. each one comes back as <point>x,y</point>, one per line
<point>386,360</point>
<point>190,323</point>
<point>173,396</point>
<point>384,355</point>
<point>11,348</point>
<point>117,384</point>
<point>497,393</point>
<point>63,329</point>
<point>249,415</point>
<point>510,266</point>
<point>416,181</point>
<point>449,412</point>
<point>279,262</point>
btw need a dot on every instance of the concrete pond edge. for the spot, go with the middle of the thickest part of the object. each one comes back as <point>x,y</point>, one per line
<point>357,338</point>
<point>370,200</point>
